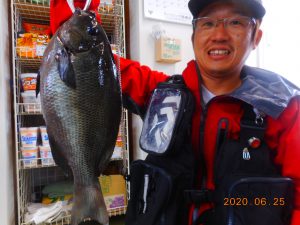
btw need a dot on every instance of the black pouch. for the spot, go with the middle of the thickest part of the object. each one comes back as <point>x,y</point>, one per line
<point>158,182</point>
<point>249,188</point>
<point>156,190</point>
<point>166,120</point>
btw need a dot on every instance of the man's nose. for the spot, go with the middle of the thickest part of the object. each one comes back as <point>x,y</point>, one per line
<point>220,32</point>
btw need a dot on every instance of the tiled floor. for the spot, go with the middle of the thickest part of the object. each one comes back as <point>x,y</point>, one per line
<point>117,220</point>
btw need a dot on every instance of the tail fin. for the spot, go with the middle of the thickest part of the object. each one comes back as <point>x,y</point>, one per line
<point>89,206</point>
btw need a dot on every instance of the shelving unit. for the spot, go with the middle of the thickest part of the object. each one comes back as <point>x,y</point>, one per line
<point>28,179</point>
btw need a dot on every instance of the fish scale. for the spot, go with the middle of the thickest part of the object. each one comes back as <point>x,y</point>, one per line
<point>81,103</point>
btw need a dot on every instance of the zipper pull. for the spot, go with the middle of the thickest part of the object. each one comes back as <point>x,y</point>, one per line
<point>246,154</point>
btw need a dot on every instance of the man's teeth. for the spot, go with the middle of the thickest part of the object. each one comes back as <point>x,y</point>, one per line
<point>219,52</point>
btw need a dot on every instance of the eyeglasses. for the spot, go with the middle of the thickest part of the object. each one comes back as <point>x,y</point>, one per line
<point>237,24</point>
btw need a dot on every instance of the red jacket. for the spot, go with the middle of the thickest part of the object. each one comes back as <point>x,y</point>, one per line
<point>268,92</point>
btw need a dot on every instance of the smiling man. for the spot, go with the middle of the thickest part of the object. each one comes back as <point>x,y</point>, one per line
<point>224,34</point>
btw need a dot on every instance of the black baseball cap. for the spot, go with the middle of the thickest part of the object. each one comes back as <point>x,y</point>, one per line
<point>256,7</point>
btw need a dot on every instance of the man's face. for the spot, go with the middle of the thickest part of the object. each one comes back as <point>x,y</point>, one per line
<point>220,52</point>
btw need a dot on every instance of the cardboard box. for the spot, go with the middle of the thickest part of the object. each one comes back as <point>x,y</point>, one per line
<point>114,191</point>
<point>168,50</point>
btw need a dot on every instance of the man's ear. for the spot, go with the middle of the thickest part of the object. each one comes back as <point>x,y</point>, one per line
<point>257,38</point>
<point>192,38</point>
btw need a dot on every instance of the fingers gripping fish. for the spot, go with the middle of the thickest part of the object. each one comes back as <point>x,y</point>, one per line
<point>81,104</point>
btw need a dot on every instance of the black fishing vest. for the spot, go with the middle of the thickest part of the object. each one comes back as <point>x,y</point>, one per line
<point>249,189</point>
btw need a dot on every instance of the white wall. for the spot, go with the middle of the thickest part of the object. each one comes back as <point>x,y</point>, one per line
<point>279,49</point>
<point>142,42</point>
<point>7,216</point>
<point>142,49</point>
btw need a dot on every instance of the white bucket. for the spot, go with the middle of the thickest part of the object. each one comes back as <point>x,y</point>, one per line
<point>31,102</point>
<point>28,81</point>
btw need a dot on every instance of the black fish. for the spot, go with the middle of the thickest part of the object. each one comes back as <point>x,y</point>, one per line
<point>81,104</point>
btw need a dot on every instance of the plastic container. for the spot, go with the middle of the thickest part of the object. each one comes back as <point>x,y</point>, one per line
<point>31,102</point>
<point>29,156</point>
<point>28,81</point>
<point>29,136</point>
<point>44,136</point>
<point>46,156</point>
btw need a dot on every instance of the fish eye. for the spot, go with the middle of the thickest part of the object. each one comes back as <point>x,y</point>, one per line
<point>93,30</point>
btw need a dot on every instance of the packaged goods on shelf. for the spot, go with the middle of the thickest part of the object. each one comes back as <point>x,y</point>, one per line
<point>28,81</point>
<point>38,213</point>
<point>114,191</point>
<point>35,28</point>
<point>46,200</point>
<point>106,6</point>
<point>29,156</point>
<point>29,136</point>
<point>117,153</point>
<point>46,156</point>
<point>60,189</point>
<point>44,136</point>
<point>114,48</point>
<point>41,44</point>
<point>31,102</point>
<point>39,2</point>
<point>31,45</point>
<point>26,45</point>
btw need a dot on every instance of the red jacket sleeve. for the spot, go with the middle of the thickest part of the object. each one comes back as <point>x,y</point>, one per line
<point>138,81</point>
<point>289,151</point>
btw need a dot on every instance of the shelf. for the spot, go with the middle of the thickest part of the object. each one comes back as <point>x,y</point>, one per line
<point>36,163</point>
<point>41,13</point>
<point>31,177</point>
<point>29,109</point>
<point>67,219</point>
<point>63,221</point>
<point>117,211</point>
<point>31,11</point>
<point>31,64</point>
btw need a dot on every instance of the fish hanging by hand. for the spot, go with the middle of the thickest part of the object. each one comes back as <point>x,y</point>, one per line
<point>81,104</point>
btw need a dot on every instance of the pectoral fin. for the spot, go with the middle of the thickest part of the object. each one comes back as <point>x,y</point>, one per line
<point>65,68</point>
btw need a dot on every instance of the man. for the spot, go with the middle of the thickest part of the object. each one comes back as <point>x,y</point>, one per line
<point>224,34</point>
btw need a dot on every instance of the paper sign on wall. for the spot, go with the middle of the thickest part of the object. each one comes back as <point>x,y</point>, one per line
<point>168,50</point>
<point>168,10</point>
